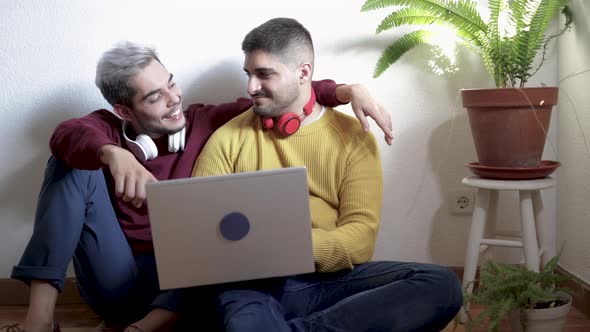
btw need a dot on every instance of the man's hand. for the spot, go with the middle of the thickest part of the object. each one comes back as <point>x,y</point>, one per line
<point>364,105</point>
<point>130,176</point>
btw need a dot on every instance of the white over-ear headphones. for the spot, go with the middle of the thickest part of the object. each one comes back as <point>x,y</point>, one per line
<point>144,148</point>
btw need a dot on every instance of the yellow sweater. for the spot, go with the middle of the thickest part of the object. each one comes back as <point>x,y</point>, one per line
<point>344,177</point>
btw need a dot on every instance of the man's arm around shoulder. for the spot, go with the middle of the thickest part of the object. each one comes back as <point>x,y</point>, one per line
<point>93,141</point>
<point>77,141</point>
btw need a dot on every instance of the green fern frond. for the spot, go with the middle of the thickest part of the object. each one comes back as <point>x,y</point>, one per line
<point>460,16</point>
<point>494,45</point>
<point>504,288</point>
<point>521,11</point>
<point>508,44</point>
<point>540,21</point>
<point>408,16</point>
<point>493,28</point>
<point>379,4</point>
<point>533,20</point>
<point>413,16</point>
<point>504,307</point>
<point>459,13</point>
<point>400,47</point>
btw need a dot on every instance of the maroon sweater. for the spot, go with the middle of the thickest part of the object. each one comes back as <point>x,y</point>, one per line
<point>77,141</point>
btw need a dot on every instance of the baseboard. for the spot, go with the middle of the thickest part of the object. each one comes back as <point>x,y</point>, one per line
<point>14,292</point>
<point>579,289</point>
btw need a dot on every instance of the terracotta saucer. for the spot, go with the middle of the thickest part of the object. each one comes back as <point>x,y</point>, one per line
<point>545,168</point>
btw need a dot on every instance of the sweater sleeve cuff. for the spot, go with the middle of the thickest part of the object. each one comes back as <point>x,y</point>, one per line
<point>325,91</point>
<point>321,249</point>
<point>95,147</point>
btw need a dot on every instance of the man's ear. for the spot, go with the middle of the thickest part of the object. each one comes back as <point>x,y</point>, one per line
<point>123,111</point>
<point>305,73</point>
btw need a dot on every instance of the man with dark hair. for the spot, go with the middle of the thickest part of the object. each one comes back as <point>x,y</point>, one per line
<point>90,205</point>
<point>287,127</point>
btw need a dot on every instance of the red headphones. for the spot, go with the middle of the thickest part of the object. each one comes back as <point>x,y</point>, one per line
<point>289,123</point>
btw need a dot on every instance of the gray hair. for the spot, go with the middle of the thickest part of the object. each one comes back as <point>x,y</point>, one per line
<point>117,66</point>
<point>283,37</point>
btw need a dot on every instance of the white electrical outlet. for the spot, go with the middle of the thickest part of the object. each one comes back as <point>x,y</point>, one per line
<point>461,202</point>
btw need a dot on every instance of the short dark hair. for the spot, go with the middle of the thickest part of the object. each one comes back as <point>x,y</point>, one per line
<point>282,37</point>
<point>117,66</point>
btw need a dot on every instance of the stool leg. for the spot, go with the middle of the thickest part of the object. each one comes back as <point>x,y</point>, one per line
<point>546,229</point>
<point>491,222</point>
<point>482,201</point>
<point>529,233</point>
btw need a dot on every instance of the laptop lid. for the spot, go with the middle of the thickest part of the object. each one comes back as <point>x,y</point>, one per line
<point>243,226</point>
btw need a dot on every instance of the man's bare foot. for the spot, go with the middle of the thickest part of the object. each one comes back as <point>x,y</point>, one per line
<point>133,328</point>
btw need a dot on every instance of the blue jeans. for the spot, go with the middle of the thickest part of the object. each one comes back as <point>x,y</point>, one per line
<point>374,296</point>
<point>75,219</point>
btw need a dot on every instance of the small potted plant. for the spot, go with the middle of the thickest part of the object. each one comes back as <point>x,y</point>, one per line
<point>509,123</point>
<point>529,300</point>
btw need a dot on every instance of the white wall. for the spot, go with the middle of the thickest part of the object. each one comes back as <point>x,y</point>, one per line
<point>48,56</point>
<point>574,141</point>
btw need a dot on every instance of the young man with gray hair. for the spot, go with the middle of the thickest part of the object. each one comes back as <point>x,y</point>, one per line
<point>348,292</point>
<point>90,208</point>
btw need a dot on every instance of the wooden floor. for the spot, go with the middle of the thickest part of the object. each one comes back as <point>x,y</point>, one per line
<point>71,317</point>
<point>79,318</point>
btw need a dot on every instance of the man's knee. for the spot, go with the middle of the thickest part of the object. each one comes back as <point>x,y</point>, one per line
<point>241,301</point>
<point>61,180</point>
<point>446,287</point>
<point>248,310</point>
<point>57,168</point>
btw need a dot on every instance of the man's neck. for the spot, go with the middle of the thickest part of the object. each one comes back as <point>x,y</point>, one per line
<point>302,102</point>
<point>317,108</point>
<point>137,132</point>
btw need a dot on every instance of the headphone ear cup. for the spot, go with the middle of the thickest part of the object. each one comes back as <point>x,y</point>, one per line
<point>174,142</point>
<point>143,148</point>
<point>182,136</point>
<point>137,150</point>
<point>288,123</point>
<point>267,123</point>
<point>148,146</point>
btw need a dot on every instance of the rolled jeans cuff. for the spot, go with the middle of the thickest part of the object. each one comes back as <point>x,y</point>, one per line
<point>171,300</point>
<point>55,276</point>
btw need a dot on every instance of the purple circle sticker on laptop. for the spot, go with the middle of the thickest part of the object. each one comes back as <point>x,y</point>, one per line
<point>234,226</point>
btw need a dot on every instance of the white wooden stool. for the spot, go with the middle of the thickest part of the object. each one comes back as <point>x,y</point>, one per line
<point>485,205</point>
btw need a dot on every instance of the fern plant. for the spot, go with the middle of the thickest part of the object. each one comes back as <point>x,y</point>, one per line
<point>507,42</point>
<point>503,288</point>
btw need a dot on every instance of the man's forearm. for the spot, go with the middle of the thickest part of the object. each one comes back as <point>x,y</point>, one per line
<point>345,92</point>
<point>108,152</point>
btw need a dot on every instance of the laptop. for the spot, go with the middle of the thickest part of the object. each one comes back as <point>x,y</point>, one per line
<point>243,226</point>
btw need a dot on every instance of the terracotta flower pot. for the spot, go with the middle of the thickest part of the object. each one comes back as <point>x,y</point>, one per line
<point>509,125</point>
